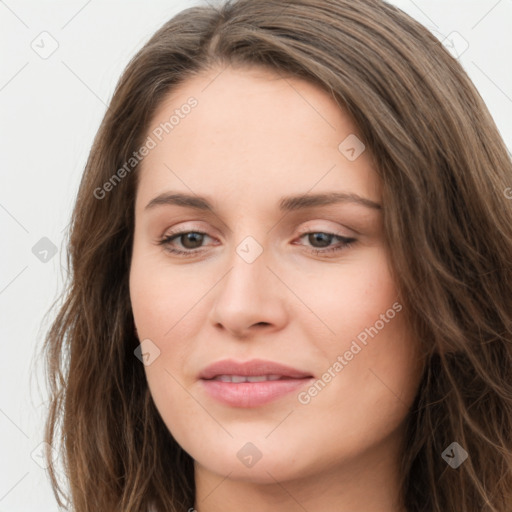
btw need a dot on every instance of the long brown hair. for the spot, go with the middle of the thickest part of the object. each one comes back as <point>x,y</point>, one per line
<point>444,171</point>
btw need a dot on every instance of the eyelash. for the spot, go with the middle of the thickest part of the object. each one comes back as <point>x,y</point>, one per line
<point>166,242</point>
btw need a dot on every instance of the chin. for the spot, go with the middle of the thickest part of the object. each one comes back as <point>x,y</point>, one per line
<point>273,468</point>
<point>259,461</point>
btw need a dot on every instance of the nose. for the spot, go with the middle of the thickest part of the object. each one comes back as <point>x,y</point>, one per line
<point>250,298</point>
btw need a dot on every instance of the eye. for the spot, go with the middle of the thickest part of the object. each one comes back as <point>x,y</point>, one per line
<point>191,241</point>
<point>325,239</point>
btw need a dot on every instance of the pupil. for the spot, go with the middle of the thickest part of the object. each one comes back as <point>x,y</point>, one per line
<point>194,238</point>
<point>315,236</point>
<point>189,237</point>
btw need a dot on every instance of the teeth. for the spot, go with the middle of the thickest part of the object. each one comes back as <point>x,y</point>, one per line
<point>257,378</point>
<point>242,378</point>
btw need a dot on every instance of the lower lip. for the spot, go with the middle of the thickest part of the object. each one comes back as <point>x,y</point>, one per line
<point>252,394</point>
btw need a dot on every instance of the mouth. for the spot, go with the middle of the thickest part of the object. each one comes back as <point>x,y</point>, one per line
<point>247,378</point>
<point>252,383</point>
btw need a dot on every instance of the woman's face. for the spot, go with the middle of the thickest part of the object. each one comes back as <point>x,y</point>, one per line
<point>273,270</point>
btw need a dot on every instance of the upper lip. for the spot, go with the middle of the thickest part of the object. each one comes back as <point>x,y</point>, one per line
<point>250,368</point>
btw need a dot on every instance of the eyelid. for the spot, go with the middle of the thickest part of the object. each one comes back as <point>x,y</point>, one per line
<point>198,226</point>
<point>331,231</point>
<point>302,231</point>
<point>346,241</point>
<point>185,228</point>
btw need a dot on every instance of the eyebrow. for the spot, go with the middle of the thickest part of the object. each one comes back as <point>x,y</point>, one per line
<point>286,204</point>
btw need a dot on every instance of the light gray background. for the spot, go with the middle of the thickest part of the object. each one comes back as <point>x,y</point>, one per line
<point>50,111</point>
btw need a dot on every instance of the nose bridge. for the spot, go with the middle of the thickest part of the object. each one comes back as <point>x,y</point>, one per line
<point>248,269</point>
<point>250,253</point>
<point>246,295</point>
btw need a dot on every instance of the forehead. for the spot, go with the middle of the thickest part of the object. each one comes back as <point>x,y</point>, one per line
<point>250,134</point>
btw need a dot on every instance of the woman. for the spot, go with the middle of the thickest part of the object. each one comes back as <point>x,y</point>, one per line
<point>291,280</point>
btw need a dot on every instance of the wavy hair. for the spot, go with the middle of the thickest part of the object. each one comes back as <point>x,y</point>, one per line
<point>445,173</point>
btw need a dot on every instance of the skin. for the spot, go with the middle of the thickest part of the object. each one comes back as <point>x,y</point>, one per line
<point>253,138</point>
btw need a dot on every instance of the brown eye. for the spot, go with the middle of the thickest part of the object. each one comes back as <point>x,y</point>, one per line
<point>324,240</point>
<point>190,242</point>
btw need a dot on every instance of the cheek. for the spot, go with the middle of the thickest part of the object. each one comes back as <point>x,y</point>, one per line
<point>162,295</point>
<point>343,299</point>
<point>369,358</point>
<point>329,305</point>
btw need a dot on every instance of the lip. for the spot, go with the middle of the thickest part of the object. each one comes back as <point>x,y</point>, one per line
<point>251,368</point>
<point>251,394</point>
